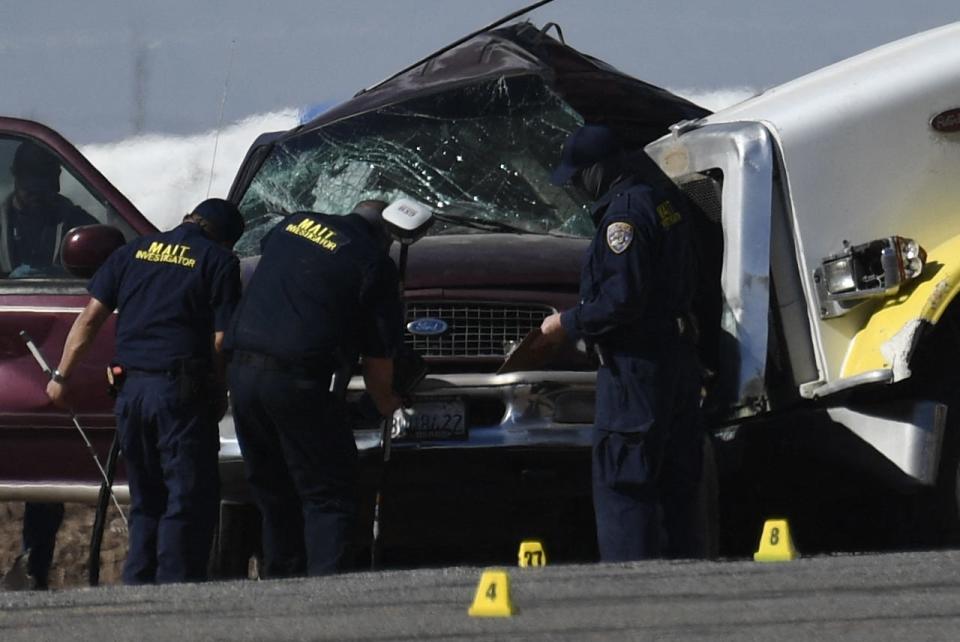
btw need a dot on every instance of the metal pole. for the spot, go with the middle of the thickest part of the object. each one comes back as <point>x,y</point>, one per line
<point>35,351</point>
<point>386,434</point>
<point>385,438</point>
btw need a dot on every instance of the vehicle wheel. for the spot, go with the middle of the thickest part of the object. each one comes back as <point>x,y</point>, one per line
<point>236,541</point>
<point>710,501</point>
<point>935,377</point>
<point>947,491</point>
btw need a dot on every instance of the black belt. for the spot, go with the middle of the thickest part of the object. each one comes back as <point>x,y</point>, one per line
<point>170,373</point>
<point>681,326</point>
<point>262,361</point>
<point>144,372</point>
<point>189,366</point>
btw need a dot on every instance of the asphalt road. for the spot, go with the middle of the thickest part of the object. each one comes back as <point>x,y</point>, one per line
<point>903,596</point>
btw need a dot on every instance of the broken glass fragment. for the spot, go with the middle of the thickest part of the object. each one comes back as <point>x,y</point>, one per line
<point>483,152</point>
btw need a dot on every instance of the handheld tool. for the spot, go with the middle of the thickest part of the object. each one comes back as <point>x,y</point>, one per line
<point>106,479</point>
<point>406,221</point>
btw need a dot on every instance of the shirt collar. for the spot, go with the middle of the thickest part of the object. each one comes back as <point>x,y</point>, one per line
<point>599,207</point>
<point>190,229</point>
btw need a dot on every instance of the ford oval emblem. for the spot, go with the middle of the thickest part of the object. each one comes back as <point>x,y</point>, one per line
<point>947,121</point>
<point>427,327</point>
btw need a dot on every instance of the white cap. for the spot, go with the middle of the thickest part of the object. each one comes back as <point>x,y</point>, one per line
<point>407,220</point>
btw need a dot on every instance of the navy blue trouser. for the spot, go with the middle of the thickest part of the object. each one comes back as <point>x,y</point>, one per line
<point>300,459</point>
<point>40,525</point>
<point>647,469</point>
<point>170,450</point>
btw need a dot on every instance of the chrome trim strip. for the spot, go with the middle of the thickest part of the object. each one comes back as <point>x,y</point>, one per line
<point>487,437</point>
<point>884,375</point>
<point>543,435</point>
<point>744,153</point>
<point>434,383</point>
<point>58,492</point>
<point>39,309</point>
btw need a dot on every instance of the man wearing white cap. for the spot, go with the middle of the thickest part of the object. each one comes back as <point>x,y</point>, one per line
<point>325,290</point>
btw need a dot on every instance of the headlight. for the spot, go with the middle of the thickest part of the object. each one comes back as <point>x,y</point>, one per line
<point>838,276</point>
<point>860,272</point>
<point>913,257</point>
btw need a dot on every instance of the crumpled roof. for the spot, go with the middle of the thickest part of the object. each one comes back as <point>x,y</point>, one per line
<point>641,112</point>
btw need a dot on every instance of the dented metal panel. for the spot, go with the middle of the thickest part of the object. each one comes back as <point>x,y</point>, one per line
<point>744,154</point>
<point>892,331</point>
<point>909,434</point>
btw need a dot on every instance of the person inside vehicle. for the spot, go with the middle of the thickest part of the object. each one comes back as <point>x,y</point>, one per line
<point>175,292</point>
<point>636,291</point>
<point>35,217</point>
<point>338,288</point>
<point>31,568</point>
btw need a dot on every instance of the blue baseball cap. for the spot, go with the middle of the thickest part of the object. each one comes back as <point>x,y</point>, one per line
<point>225,221</point>
<point>35,168</point>
<point>586,146</point>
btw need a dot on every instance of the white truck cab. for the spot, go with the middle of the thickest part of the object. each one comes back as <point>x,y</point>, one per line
<point>837,198</point>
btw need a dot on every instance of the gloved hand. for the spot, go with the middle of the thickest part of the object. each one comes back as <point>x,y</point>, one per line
<point>22,271</point>
<point>219,401</point>
<point>25,271</point>
<point>400,422</point>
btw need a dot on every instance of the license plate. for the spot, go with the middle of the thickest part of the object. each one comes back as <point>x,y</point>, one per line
<point>438,419</point>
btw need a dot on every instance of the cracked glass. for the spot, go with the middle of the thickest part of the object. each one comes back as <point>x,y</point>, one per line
<point>479,155</point>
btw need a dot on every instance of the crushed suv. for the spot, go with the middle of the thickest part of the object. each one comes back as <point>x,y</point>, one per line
<point>473,132</point>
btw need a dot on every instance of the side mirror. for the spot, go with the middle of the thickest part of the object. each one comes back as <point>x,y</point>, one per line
<point>85,248</point>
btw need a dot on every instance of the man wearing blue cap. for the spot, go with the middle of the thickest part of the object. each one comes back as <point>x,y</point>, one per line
<point>636,292</point>
<point>175,292</point>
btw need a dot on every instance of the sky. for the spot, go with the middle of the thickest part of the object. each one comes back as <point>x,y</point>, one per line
<point>147,87</point>
<point>103,70</point>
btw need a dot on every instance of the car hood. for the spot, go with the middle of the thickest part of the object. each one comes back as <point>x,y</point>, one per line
<point>510,261</point>
<point>496,261</point>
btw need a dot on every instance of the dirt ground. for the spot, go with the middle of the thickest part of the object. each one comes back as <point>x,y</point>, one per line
<point>73,544</point>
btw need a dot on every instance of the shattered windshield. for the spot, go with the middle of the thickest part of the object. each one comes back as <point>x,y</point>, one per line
<point>479,155</point>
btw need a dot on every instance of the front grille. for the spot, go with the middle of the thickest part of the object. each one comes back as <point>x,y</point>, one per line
<point>706,192</point>
<point>474,329</point>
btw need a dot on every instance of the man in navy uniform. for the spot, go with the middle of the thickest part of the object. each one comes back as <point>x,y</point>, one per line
<point>175,292</point>
<point>636,291</point>
<point>41,521</point>
<point>337,288</point>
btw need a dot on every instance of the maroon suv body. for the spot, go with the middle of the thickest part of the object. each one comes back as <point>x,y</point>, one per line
<point>42,457</point>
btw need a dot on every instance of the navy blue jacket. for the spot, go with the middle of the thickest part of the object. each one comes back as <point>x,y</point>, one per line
<point>173,290</point>
<point>325,289</point>
<point>638,277</point>
<point>33,237</point>
<point>639,273</point>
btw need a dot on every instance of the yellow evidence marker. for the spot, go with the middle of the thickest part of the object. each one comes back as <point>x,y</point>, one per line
<point>532,554</point>
<point>776,545</point>
<point>493,595</point>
